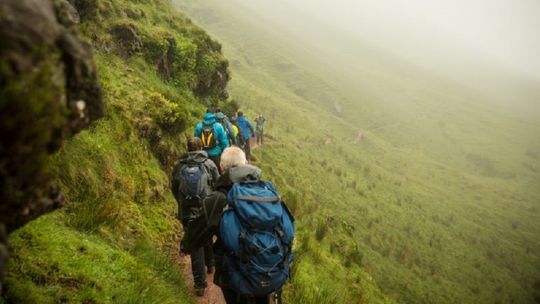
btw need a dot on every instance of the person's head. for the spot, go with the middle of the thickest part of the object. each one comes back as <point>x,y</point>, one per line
<point>194,144</point>
<point>240,113</point>
<point>218,110</point>
<point>208,110</point>
<point>232,156</point>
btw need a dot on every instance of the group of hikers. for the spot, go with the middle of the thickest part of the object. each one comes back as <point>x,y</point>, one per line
<point>235,224</point>
<point>217,132</point>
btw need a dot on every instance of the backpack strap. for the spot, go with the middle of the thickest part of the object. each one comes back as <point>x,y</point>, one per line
<point>288,247</point>
<point>257,199</point>
<point>212,136</point>
<point>242,242</point>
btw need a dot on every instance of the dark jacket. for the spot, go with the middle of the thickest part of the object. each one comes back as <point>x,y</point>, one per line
<point>186,211</point>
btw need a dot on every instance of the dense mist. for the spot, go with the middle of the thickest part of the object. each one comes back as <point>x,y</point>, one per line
<point>491,46</point>
<point>501,32</point>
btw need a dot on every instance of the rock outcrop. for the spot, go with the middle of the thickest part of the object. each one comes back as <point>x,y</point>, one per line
<point>128,39</point>
<point>49,90</point>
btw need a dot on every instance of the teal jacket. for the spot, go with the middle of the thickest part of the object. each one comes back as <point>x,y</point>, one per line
<point>219,134</point>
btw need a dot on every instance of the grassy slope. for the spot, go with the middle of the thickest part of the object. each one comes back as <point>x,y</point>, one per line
<point>439,202</point>
<point>116,239</point>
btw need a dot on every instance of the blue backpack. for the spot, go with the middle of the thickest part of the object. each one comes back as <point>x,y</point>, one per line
<point>193,181</point>
<point>257,231</point>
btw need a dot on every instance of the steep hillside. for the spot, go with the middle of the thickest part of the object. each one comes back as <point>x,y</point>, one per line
<point>438,201</point>
<point>403,189</point>
<point>115,241</point>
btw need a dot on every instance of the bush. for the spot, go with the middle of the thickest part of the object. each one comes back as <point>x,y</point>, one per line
<point>167,114</point>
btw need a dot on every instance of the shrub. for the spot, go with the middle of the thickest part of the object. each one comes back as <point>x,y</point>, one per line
<point>167,114</point>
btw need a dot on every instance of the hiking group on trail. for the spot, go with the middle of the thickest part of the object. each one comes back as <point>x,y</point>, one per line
<point>234,222</point>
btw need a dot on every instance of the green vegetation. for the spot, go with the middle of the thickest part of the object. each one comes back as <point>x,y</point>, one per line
<point>438,201</point>
<point>116,239</point>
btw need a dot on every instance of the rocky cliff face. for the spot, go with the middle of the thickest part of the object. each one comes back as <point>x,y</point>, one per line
<point>49,90</point>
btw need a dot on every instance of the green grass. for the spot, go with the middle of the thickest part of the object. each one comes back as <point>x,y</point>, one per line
<point>116,239</point>
<point>438,203</point>
<point>59,263</point>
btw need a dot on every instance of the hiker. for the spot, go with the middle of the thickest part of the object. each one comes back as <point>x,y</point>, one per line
<point>247,130</point>
<point>224,121</point>
<point>254,232</point>
<point>213,137</point>
<point>193,178</point>
<point>259,121</point>
<point>237,134</point>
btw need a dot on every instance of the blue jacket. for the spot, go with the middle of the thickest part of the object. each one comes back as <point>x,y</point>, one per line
<point>246,127</point>
<point>219,134</point>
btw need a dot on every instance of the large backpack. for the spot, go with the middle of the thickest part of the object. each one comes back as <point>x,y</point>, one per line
<point>208,137</point>
<point>257,231</point>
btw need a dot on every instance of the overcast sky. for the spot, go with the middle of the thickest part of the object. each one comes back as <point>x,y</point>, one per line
<point>505,32</point>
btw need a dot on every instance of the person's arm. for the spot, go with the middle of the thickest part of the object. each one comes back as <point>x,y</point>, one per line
<point>199,231</point>
<point>198,130</point>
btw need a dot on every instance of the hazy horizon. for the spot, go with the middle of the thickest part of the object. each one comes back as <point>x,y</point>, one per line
<point>440,35</point>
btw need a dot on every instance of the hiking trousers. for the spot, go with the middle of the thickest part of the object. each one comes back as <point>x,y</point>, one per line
<point>260,137</point>
<point>199,258</point>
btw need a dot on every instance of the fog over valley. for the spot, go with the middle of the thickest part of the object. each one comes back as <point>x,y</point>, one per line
<point>491,46</point>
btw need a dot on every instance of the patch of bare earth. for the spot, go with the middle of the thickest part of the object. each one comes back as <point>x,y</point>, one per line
<point>359,137</point>
<point>212,294</point>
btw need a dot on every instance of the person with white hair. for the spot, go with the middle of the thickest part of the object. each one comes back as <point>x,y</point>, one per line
<point>223,208</point>
<point>234,156</point>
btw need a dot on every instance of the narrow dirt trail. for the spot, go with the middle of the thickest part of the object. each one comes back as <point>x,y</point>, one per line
<point>212,294</point>
<point>254,145</point>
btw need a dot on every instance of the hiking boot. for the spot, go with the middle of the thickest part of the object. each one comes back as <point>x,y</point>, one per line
<point>209,269</point>
<point>199,292</point>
